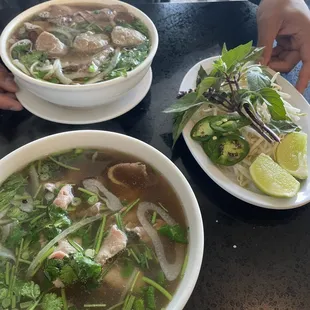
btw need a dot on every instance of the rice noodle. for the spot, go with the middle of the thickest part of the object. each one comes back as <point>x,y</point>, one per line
<point>20,66</point>
<point>171,271</point>
<point>32,68</point>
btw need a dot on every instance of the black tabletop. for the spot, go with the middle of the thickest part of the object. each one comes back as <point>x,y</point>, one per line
<point>254,258</point>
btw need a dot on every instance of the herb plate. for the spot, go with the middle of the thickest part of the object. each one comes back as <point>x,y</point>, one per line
<point>254,198</point>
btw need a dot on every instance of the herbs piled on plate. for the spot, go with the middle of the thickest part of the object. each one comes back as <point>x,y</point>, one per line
<point>238,110</point>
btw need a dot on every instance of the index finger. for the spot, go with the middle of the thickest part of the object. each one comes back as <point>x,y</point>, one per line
<point>267,32</point>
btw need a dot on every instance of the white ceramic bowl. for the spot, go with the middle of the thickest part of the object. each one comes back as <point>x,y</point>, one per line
<point>102,139</point>
<point>79,96</point>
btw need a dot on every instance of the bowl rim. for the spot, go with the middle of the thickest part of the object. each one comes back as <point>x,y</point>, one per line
<point>11,26</point>
<point>196,232</point>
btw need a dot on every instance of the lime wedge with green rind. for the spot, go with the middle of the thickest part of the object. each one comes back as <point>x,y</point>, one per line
<point>291,154</point>
<point>272,179</point>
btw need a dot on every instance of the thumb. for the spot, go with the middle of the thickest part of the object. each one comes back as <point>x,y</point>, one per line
<point>304,77</point>
<point>267,32</point>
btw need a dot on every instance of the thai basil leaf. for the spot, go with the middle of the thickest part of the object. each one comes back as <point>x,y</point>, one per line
<point>236,55</point>
<point>224,49</point>
<point>179,122</point>
<point>219,65</point>
<point>186,102</point>
<point>205,85</point>
<point>283,126</point>
<point>274,103</point>
<point>257,80</point>
<point>202,74</point>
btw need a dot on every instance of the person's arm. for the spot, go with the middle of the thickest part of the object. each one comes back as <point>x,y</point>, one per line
<point>287,22</point>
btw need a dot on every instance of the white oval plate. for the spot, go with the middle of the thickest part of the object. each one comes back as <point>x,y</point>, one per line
<point>257,199</point>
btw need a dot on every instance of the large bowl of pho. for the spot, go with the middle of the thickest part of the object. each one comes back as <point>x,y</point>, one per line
<point>64,50</point>
<point>87,222</point>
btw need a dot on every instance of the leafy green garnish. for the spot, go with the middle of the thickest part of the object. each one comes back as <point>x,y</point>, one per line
<point>274,103</point>
<point>32,57</point>
<point>77,268</point>
<point>20,50</point>
<point>236,85</point>
<point>131,58</point>
<point>10,188</point>
<point>15,236</point>
<point>52,302</point>
<point>257,79</point>
<point>283,126</point>
<point>175,233</point>
<point>138,25</point>
<point>30,290</point>
<point>150,298</point>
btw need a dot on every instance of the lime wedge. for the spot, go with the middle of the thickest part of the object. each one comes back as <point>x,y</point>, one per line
<point>271,179</point>
<point>291,154</point>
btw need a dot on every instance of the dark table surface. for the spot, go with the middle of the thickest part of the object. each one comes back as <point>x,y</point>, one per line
<point>254,258</point>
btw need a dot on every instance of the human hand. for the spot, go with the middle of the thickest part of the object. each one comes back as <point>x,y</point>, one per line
<point>287,22</point>
<point>8,88</point>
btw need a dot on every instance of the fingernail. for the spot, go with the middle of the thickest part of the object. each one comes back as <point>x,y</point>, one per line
<point>16,108</point>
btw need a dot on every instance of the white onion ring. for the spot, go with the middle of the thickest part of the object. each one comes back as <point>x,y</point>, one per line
<point>21,42</point>
<point>6,253</point>
<point>171,271</point>
<point>59,74</point>
<point>26,207</point>
<point>113,203</point>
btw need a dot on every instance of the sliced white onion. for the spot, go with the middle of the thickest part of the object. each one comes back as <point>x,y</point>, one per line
<point>21,42</point>
<point>59,74</point>
<point>26,207</point>
<point>5,231</point>
<point>6,253</point>
<point>61,31</point>
<point>3,213</point>
<point>171,271</point>
<point>107,71</point>
<point>113,203</point>
<point>49,196</point>
<point>34,180</point>
<point>94,157</point>
<point>20,66</point>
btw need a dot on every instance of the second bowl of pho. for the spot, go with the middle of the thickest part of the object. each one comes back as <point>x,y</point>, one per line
<point>87,222</point>
<point>79,54</point>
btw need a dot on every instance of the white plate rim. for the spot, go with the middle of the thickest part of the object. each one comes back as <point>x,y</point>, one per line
<point>256,199</point>
<point>118,107</point>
